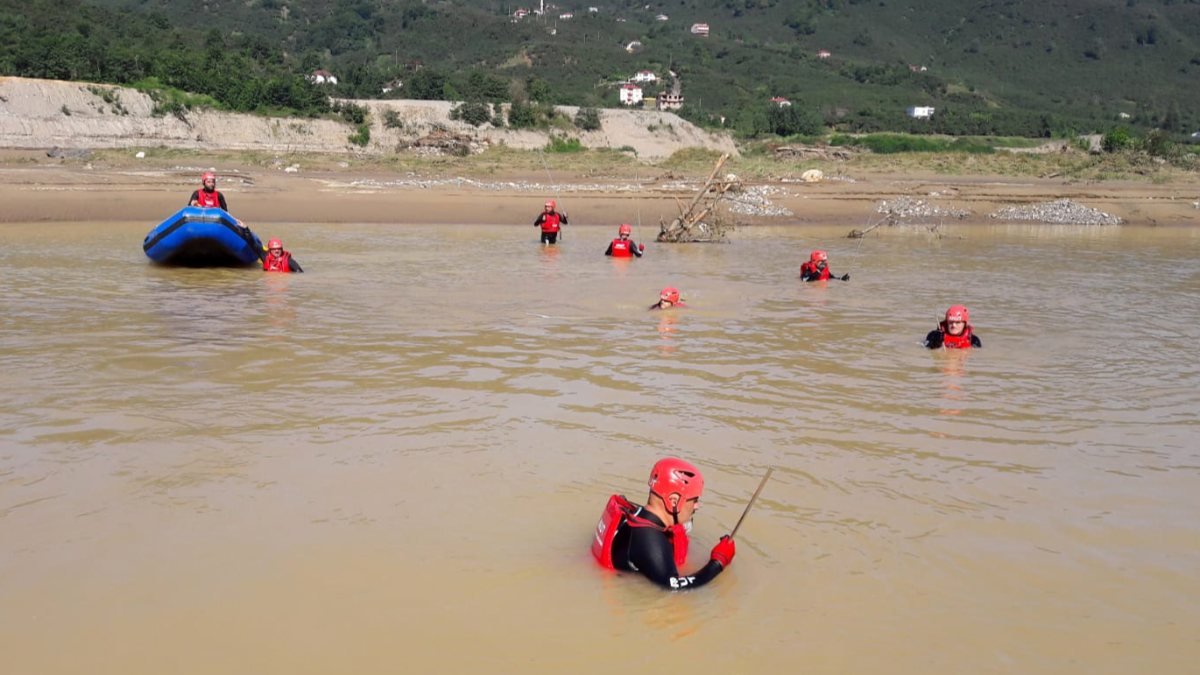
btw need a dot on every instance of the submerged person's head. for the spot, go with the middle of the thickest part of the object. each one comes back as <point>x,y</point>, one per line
<point>669,296</point>
<point>675,488</point>
<point>957,318</point>
<point>624,231</point>
<point>275,248</point>
<point>818,258</point>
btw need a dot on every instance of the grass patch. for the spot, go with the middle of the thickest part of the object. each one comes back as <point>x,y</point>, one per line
<point>885,144</point>
<point>172,101</point>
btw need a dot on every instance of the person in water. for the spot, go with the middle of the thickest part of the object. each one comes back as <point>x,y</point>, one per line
<point>653,539</point>
<point>623,246</point>
<point>208,197</point>
<point>954,332</point>
<point>551,222</point>
<point>668,298</point>
<point>279,260</point>
<point>817,268</point>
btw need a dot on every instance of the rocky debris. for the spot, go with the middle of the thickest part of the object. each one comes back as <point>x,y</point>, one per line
<point>813,176</point>
<point>909,208</point>
<point>756,201</point>
<point>441,141</point>
<point>1057,212</point>
<point>806,152</point>
<point>69,153</point>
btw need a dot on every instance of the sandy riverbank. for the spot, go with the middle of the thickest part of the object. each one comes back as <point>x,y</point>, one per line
<point>35,188</point>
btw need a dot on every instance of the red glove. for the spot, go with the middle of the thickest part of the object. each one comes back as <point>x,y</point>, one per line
<point>724,551</point>
<point>641,247</point>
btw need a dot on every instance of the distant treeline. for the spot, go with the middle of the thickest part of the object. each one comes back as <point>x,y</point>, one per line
<point>1129,63</point>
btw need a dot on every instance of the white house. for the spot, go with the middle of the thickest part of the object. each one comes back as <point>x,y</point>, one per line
<point>393,85</point>
<point>593,10</point>
<point>566,15</point>
<point>780,102</point>
<point>631,94</point>
<point>824,53</point>
<point>633,47</point>
<point>1123,115</point>
<point>662,17</point>
<point>921,112</point>
<point>644,76</point>
<point>520,13</point>
<point>322,77</point>
<point>700,29</point>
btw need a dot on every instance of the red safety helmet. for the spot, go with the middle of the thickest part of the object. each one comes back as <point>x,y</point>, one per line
<point>207,175</point>
<point>551,204</point>
<point>958,313</point>
<point>670,294</point>
<point>625,228</point>
<point>672,475</point>
<point>274,243</point>
<point>818,256</point>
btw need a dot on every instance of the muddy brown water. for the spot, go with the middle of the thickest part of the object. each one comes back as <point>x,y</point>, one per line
<point>394,462</point>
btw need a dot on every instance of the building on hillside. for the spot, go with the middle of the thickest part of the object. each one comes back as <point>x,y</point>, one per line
<point>824,53</point>
<point>671,101</point>
<point>1123,116</point>
<point>662,17</point>
<point>631,94</point>
<point>566,15</point>
<point>780,102</point>
<point>921,112</point>
<point>520,13</point>
<point>393,86</point>
<point>633,47</point>
<point>644,76</point>
<point>700,29</point>
<point>916,68</point>
<point>593,10</point>
<point>322,77</point>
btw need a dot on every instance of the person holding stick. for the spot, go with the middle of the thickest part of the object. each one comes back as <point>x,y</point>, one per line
<point>817,268</point>
<point>653,539</point>
<point>551,222</point>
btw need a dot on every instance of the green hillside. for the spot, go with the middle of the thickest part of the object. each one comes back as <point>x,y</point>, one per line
<point>989,66</point>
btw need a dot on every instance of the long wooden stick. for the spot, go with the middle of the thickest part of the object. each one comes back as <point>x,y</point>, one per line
<point>751,502</point>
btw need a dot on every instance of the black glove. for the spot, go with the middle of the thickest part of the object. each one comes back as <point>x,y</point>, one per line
<point>846,277</point>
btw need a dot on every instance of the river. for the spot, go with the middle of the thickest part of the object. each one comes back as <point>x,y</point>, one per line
<point>395,461</point>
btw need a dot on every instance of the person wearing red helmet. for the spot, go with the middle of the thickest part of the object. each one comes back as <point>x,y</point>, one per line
<point>668,298</point>
<point>817,268</point>
<point>623,246</point>
<point>954,332</point>
<point>551,222</point>
<point>208,197</point>
<point>653,539</point>
<point>279,260</point>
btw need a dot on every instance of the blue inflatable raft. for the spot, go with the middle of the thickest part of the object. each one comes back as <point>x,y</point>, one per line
<point>198,237</point>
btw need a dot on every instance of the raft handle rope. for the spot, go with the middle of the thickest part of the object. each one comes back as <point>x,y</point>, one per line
<point>550,183</point>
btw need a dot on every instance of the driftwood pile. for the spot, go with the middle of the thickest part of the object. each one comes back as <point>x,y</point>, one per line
<point>700,220</point>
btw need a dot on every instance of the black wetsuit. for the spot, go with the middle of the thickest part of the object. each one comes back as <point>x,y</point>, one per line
<point>936,337</point>
<point>220,197</point>
<point>649,551</point>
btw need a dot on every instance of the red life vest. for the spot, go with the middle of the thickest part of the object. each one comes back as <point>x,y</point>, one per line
<point>810,268</point>
<point>279,263</point>
<point>208,199</point>
<point>956,341</point>
<point>621,248</point>
<point>550,222</point>
<point>620,511</point>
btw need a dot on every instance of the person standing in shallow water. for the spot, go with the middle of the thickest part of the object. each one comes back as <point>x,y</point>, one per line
<point>623,246</point>
<point>817,268</point>
<point>668,298</point>
<point>653,539</point>
<point>279,260</point>
<point>551,222</point>
<point>954,332</point>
